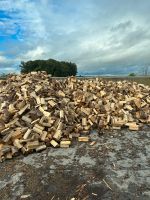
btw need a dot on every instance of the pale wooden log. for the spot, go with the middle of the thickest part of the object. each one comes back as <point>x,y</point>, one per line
<point>17,144</point>
<point>32,145</point>
<point>57,134</point>
<point>143,104</point>
<point>128,107</point>
<point>22,141</point>
<point>17,134</point>
<point>19,95</point>
<point>148,120</point>
<point>40,148</point>
<point>23,109</point>
<point>87,111</point>
<point>12,122</point>
<point>35,121</point>
<point>38,100</point>
<point>26,119</point>
<point>92,143</point>
<point>38,88</point>
<point>95,111</point>
<point>102,93</point>
<point>43,101</point>
<point>60,126</point>
<point>52,103</point>
<point>116,127</point>
<point>85,132</point>
<point>108,118</point>
<point>70,136</point>
<point>1,146</point>
<point>92,118</point>
<point>46,114</point>
<point>65,142</point>
<point>61,114</point>
<point>7,137</point>
<point>11,108</point>
<point>90,122</point>
<point>84,121</point>
<point>5,149</point>
<point>8,155</point>
<point>37,130</point>
<point>41,109</point>
<point>39,127</point>
<point>54,143</point>
<point>43,118</point>
<point>148,100</point>
<point>86,128</point>
<point>137,102</point>
<point>21,105</point>
<point>33,73</point>
<point>134,127</point>
<point>26,135</point>
<point>112,106</point>
<point>47,125</point>
<point>122,103</point>
<point>33,94</point>
<point>61,93</point>
<point>24,150</point>
<point>83,139</point>
<point>85,88</point>
<point>43,136</point>
<point>44,107</point>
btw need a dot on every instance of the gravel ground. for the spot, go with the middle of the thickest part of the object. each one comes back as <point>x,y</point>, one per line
<point>117,166</point>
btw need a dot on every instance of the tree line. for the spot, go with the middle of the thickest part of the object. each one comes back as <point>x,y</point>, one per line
<point>51,66</point>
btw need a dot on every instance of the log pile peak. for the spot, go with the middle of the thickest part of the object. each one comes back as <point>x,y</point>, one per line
<point>37,111</point>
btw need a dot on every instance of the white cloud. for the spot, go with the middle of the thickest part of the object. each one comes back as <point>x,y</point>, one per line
<point>92,33</point>
<point>34,54</point>
<point>3,59</point>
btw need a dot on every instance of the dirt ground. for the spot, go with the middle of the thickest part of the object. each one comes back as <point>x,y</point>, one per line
<point>116,167</point>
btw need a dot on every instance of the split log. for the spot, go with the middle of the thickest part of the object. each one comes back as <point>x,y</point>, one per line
<point>83,139</point>
<point>54,143</point>
<point>65,144</point>
<point>32,145</point>
<point>41,148</point>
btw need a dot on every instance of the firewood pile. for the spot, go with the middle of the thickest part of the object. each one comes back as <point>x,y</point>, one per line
<point>37,111</point>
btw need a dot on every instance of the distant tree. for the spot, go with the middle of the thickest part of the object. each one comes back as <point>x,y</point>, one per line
<point>132,74</point>
<point>51,66</point>
<point>3,76</point>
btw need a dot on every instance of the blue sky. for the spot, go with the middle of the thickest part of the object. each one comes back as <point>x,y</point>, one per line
<point>110,36</point>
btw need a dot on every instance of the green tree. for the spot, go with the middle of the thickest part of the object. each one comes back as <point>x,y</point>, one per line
<point>51,66</point>
<point>132,74</point>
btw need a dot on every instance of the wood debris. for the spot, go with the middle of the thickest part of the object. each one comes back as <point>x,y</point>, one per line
<point>37,111</point>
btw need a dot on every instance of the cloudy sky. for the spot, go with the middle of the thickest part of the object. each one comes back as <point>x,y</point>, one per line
<point>107,36</point>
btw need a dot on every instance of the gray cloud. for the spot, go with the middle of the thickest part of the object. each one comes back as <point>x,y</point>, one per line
<point>103,35</point>
<point>122,26</point>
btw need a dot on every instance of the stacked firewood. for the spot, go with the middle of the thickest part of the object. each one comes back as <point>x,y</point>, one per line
<point>37,111</point>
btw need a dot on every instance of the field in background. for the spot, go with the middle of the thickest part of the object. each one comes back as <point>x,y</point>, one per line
<point>138,79</point>
<point>143,80</point>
